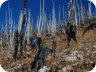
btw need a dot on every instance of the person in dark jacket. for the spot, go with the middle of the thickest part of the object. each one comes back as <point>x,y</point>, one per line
<point>71,33</point>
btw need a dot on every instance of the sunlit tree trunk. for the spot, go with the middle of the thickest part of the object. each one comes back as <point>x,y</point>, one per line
<point>28,28</point>
<point>53,22</point>
<point>90,12</point>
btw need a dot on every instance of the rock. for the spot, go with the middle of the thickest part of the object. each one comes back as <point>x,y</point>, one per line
<point>94,46</point>
<point>69,58</point>
<point>43,69</point>
<point>64,69</point>
<point>74,55</point>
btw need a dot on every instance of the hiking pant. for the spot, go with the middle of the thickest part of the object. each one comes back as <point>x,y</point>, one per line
<point>71,35</point>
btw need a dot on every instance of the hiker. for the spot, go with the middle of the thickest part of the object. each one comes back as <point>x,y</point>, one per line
<point>33,43</point>
<point>34,63</point>
<point>39,42</point>
<point>71,33</point>
<point>40,58</point>
<point>16,45</point>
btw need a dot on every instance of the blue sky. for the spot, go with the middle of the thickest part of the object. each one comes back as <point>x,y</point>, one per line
<point>34,6</point>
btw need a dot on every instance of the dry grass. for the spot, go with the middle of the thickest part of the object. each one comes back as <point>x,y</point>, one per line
<point>84,44</point>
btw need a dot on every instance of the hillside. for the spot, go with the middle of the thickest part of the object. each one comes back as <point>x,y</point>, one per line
<point>77,58</point>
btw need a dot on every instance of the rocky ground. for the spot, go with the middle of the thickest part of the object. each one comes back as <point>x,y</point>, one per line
<point>76,58</point>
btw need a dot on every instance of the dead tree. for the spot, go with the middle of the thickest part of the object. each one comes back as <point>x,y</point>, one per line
<point>19,34</point>
<point>16,45</point>
<point>54,46</point>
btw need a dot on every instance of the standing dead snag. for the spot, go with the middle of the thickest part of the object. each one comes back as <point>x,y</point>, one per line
<point>23,23</point>
<point>16,45</point>
<point>19,33</point>
<point>53,28</point>
<point>81,13</point>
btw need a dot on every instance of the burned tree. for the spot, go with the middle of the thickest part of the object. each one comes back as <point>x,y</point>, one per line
<point>19,33</point>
